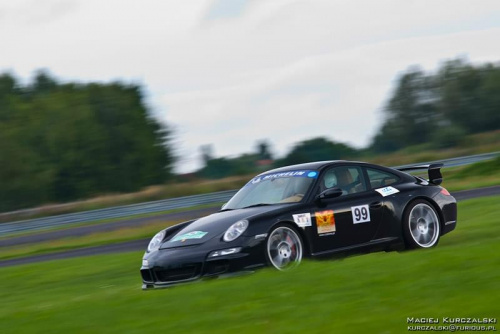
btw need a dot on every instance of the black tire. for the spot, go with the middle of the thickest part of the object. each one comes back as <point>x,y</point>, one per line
<point>284,247</point>
<point>421,225</point>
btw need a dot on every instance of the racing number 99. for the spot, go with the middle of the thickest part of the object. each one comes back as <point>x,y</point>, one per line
<point>360,214</point>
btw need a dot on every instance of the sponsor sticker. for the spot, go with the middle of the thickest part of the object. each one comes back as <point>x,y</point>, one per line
<point>255,180</point>
<point>302,219</point>
<point>360,214</point>
<point>325,221</point>
<point>295,173</point>
<point>190,235</point>
<point>386,191</point>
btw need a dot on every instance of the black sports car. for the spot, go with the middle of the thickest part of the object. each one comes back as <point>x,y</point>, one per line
<point>309,210</point>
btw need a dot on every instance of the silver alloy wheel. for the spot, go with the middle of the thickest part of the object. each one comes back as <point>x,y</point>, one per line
<point>284,248</point>
<point>424,225</point>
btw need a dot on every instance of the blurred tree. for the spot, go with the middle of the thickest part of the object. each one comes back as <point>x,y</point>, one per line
<point>440,108</point>
<point>263,150</point>
<point>490,99</point>
<point>43,82</point>
<point>470,95</point>
<point>7,84</point>
<point>207,153</point>
<point>317,149</point>
<point>61,142</point>
<point>223,167</point>
<point>449,136</point>
<point>411,113</point>
<point>8,94</point>
<point>216,168</point>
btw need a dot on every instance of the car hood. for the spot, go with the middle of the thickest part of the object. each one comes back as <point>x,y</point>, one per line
<point>209,227</point>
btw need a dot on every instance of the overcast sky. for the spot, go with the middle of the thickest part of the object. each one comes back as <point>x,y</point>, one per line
<point>231,72</point>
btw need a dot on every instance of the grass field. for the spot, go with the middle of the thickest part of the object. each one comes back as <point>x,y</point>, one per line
<point>370,294</point>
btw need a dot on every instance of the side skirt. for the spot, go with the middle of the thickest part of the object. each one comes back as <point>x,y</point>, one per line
<point>355,247</point>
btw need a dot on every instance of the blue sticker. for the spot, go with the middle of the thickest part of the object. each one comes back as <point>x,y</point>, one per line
<point>312,174</point>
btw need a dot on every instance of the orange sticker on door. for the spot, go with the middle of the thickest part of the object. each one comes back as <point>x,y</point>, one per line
<point>325,221</point>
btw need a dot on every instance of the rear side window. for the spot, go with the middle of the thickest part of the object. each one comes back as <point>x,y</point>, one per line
<point>379,178</point>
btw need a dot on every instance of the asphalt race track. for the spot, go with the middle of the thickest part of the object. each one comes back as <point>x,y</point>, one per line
<point>137,245</point>
<point>476,193</point>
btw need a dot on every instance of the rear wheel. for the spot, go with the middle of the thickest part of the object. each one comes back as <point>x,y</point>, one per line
<point>421,225</point>
<point>284,248</point>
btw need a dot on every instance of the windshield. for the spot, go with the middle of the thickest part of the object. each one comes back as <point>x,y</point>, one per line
<point>273,188</point>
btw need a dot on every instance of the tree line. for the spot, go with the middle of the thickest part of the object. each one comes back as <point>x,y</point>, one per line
<point>440,108</point>
<point>66,141</point>
<point>262,158</point>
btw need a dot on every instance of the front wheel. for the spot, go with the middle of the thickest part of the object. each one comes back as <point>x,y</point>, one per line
<point>284,248</point>
<point>421,225</point>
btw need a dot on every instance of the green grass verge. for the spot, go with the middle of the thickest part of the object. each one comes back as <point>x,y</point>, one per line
<point>481,174</point>
<point>90,240</point>
<point>94,239</point>
<point>153,193</point>
<point>478,175</point>
<point>113,220</point>
<point>369,294</point>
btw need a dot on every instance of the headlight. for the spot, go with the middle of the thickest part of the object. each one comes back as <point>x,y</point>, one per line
<point>235,230</point>
<point>154,244</point>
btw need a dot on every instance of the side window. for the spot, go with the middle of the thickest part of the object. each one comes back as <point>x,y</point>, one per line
<point>349,179</point>
<point>381,179</point>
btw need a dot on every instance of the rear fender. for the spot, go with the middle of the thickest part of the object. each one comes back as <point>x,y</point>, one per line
<point>434,205</point>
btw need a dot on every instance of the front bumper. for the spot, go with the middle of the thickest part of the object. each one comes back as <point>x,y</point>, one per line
<point>168,267</point>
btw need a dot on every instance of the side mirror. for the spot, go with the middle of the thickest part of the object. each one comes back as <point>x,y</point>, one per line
<point>330,193</point>
<point>223,205</point>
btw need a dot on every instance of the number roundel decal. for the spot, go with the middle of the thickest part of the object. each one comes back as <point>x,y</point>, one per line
<point>360,214</point>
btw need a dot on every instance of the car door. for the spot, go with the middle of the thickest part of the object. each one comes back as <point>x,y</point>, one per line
<point>350,219</point>
<point>384,184</point>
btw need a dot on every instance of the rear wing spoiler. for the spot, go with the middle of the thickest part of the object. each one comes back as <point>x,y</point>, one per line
<point>434,171</point>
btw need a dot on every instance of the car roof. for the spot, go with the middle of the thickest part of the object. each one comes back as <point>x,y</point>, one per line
<point>319,165</point>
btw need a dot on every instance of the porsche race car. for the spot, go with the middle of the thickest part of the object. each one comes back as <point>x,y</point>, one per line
<point>310,210</point>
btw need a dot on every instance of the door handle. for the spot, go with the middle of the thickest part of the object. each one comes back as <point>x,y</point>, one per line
<point>375,205</point>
